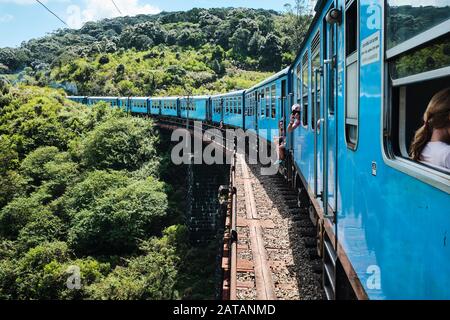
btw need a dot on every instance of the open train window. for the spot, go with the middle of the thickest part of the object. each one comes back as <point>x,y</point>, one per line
<point>262,109</point>
<point>240,106</point>
<point>305,89</point>
<point>273,94</point>
<point>415,75</point>
<point>351,75</point>
<point>267,102</point>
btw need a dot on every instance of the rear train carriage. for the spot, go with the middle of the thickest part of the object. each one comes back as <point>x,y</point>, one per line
<point>232,106</point>
<point>363,89</point>
<point>112,101</point>
<point>79,99</point>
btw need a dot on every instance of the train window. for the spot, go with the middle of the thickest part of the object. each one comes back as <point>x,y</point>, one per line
<point>407,20</point>
<point>267,102</point>
<point>305,89</point>
<point>415,77</point>
<point>262,109</point>
<point>273,94</point>
<point>315,79</point>
<point>240,105</point>
<point>351,76</point>
<point>351,28</point>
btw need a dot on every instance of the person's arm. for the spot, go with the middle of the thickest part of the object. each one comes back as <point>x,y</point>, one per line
<point>293,124</point>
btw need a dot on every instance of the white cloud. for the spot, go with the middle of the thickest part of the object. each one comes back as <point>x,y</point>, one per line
<point>418,3</point>
<point>6,18</point>
<point>93,10</point>
<point>28,2</point>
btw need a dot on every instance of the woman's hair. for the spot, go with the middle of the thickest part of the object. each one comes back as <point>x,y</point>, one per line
<point>437,116</point>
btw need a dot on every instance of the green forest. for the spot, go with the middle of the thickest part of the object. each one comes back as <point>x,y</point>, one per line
<point>200,51</point>
<point>89,187</point>
<point>91,190</point>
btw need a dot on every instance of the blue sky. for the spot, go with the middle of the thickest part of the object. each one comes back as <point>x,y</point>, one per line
<point>21,20</point>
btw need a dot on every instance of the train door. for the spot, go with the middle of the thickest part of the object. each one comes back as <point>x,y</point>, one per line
<point>222,107</point>
<point>255,109</point>
<point>317,113</point>
<point>283,104</point>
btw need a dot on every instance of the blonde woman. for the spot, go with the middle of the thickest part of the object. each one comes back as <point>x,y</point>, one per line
<point>431,142</point>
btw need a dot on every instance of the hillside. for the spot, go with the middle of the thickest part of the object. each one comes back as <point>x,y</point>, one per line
<point>199,51</point>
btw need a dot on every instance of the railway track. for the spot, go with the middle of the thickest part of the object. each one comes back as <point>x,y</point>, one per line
<point>275,249</point>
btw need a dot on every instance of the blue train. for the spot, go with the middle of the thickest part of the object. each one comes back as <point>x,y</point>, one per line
<point>362,78</point>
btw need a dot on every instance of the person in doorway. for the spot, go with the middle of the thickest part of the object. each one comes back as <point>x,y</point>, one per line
<point>281,139</point>
<point>295,118</point>
<point>431,142</point>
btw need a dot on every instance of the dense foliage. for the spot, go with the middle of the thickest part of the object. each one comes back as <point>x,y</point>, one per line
<point>83,191</point>
<point>199,51</point>
<point>88,191</point>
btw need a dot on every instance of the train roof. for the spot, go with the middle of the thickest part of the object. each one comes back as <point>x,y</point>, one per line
<point>195,97</point>
<point>140,98</point>
<point>280,74</point>
<point>102,98</point>
<point>164,98</point>
<point>228,94</point>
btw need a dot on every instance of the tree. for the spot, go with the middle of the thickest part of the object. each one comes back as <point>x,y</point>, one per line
<point>151,276</point>
<point>19,212</point>
<point>239,41</point>
<point>123,143</point>
<point>271,54</point>
<point>119,219</point>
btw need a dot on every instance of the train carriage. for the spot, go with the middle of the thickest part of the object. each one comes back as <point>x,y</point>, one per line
<point>363,81</point>
<point>266,105</point>
<point>155,106</point>
<point>232,106</point>
<point>140,105</point>
<point>112,101</point>
<point>168,105</point>
<point>194,107</point>
<point>217,109</point>
<point>79,99</point>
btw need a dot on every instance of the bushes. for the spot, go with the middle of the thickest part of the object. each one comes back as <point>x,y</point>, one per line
<point>88,202</point>
<point>118,144</point>
<point>151,276</point>
<point>120,219</point>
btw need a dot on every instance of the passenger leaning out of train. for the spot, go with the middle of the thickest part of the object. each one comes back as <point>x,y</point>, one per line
<point>431,142</point>
<point>281,143</point>
<point>295,118</point>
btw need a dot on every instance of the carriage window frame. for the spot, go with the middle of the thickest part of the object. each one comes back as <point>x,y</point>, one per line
<point>273,101</point>
<point>299,82</point>
<point>395,159</point>
<point>350,59</point>
<point>240,105</point>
